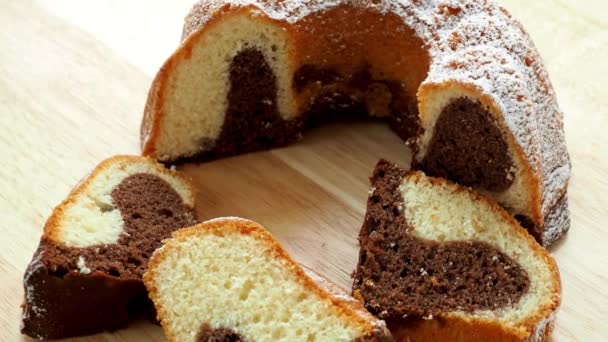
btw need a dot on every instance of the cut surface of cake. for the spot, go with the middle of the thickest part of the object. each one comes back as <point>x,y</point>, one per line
<point>460,80</point>
<point>85,276</point>
<point>228,279</point>
<point>441,262</point>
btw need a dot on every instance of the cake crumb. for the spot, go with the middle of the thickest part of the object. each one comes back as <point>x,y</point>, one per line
<point>82,267</point>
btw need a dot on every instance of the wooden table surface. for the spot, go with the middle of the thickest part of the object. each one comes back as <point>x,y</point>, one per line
<point>73,82</point>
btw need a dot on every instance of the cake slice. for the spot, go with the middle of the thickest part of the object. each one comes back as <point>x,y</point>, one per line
<point>85,276</point>
<point>440,262</point>
<point>229,280</point>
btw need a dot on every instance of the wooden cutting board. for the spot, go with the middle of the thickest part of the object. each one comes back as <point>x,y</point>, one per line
<point>73,82</point>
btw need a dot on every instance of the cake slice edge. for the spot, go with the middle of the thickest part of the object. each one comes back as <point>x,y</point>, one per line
<point>536,326</point>
<point>341,303</point>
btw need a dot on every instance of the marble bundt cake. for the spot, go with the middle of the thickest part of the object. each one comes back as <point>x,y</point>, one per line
<point>458,79</point>
<point>440,262</point>
<point>85,276</point>
<point>229,280</point>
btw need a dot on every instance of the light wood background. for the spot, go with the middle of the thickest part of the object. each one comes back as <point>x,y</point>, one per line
<point>73,82</point>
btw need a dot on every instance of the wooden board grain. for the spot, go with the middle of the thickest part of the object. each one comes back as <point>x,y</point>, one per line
<point>73,81</point>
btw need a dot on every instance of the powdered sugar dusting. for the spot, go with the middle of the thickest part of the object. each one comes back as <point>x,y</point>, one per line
<point>557,222</point>
<point>82,266</point>
<point>542,328</point>
<point>473,42</point>
<point>29,293</point>
<point>33,304</point>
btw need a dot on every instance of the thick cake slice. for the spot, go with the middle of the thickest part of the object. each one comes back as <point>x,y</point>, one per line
<point>228,280</point>
<point>85,276</point>
<point>440,262</point>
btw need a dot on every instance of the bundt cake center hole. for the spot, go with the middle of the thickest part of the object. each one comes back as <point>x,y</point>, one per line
<point>359,94</point>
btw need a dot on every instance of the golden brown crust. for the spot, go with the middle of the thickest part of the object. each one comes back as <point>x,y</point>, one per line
<point>356,305</point>
<point>460,329</point>
<point>148,130</point>
<point>453,327</point>
<point>51,227</point>
<point>344,307</point>
<point>150,123</point>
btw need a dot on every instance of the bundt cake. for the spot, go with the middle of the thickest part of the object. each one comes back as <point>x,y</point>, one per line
<point>229,280</point>
<point>440,262</point>
<point>85,276</point>
<point>460,80</point>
